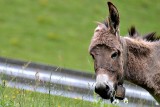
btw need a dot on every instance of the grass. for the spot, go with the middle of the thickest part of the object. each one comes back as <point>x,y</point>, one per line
<point>11,97</point>
<point>59,32</point>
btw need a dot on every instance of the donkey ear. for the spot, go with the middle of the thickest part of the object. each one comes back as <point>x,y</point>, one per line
<point>113,17</point>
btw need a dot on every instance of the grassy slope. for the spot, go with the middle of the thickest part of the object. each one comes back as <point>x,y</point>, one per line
<point>58,32</point>
<point>10,97</point>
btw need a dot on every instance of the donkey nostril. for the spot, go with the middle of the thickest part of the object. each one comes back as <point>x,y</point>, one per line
<point>107,87</point>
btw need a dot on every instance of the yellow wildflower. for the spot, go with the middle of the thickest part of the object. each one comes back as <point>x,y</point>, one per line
<point>13,97</point>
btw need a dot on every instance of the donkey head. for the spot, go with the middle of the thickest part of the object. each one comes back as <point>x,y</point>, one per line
<point>106,50</point>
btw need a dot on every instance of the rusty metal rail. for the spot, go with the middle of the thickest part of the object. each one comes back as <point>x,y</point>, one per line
<point>65,82</point>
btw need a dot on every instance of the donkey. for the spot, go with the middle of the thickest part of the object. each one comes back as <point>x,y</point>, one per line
<point>117,58</point>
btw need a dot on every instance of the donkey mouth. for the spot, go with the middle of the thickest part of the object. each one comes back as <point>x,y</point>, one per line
<point>103,86</point>
<point>104,93</point>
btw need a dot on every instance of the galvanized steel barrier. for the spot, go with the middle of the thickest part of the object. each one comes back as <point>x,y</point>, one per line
<point>64,82</point>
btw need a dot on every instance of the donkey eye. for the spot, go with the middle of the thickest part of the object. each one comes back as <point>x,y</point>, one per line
<point>114,55</point>
<point>92,56</point>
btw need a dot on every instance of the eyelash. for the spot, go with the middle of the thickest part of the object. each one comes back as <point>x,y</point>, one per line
<point>92,56</point>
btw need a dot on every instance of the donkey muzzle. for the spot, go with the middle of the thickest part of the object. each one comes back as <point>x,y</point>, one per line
<point>103,90</point>
<point>103,86</point>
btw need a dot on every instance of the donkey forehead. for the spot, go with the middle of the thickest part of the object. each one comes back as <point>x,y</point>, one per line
<point>101,48</point>
<point>103,33</point>
<point>109,46</point>
<point>109,40</point>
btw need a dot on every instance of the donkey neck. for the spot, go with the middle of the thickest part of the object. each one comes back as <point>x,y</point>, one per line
<point>124,53</point>
<point>135,56</point>
<point>142,65</point>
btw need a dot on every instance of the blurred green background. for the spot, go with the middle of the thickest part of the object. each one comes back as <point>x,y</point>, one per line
<point>58,32</point>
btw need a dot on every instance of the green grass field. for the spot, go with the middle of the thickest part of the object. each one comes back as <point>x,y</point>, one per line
<point>59,32</point>
<point>10,97</point>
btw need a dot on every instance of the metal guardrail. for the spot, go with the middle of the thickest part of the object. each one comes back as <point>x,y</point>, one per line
<point>64,82</point>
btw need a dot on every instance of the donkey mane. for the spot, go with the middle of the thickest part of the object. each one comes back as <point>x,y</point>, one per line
<point>139,48</point>
<point>133,33</point>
